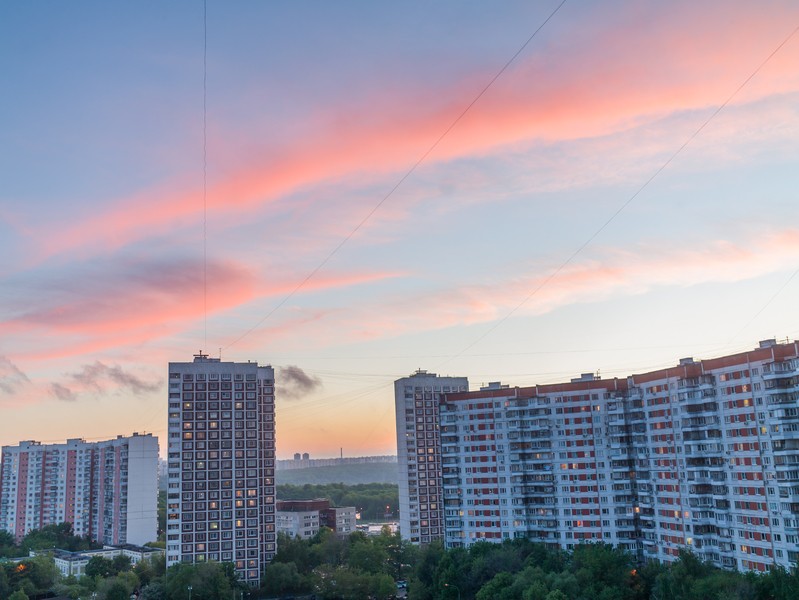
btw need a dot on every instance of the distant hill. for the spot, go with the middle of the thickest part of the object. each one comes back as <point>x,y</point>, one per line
<point>347,474</point>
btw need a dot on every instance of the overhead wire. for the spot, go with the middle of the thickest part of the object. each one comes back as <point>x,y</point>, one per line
<point>624,205</point>
<point>765,306</point>
<point>579,250</point>
<point>402,180</point>
<point>205,174</point>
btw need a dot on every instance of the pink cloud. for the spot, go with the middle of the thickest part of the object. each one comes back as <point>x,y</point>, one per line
<point>558,94</point>
<point>616,274</point>
<point>143,302</point>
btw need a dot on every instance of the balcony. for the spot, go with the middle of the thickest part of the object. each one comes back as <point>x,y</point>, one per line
<point>705,408</point>
<point>693,383</point>
<point>782,398</point>
<point>780,369</point>
<point>785,445</point>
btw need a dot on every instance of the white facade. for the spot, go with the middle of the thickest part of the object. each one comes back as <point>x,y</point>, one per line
<point>74,563</point>
<point>221,465</point>
<point>416,400</point>
<point>703,455</point>
<point>107,490</point>
<point>341,519</point>
<point>303,524</point>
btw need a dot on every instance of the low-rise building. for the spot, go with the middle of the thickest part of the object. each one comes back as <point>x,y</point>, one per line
<point>340,519</point>
<point>303,518</point>
<point>74,563</point>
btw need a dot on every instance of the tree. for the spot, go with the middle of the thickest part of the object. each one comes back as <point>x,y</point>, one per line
<point>209,581</point>
<point>5,587</point>
<point>777,584</point>
<point>294,550</point>
<point>367,556</point>
<point>72,587</point>
<point>158,564</point>
<point>144,571</point>
<point>382,586</point>
<point>600,566</point>
<point>18,595</point>
<point>34,575</point>
<point>154,591</point>
<point>8,546</point>
<point>424,578</point>
<point>281,578</point>
<point>328,548</point>
<point>120,563</point>
<point>55,536</point>
<point>117,591</point>
<point>98,566</point>
<point>496,588</point>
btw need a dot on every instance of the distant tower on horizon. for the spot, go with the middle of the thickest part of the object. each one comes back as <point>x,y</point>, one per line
<point>221,495</point>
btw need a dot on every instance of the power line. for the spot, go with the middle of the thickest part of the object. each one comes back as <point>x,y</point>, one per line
<point>765,306</point>
<point>618,211</point>
<point>402,179</point>
<point>205,175</point>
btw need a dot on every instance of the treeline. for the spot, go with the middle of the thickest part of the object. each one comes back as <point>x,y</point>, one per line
<point>520,569</point>
<point>330,566</point>
<point>371,499</point>
<point>117,579</point>
<point>48,537</point>
<point>360,567</point>
<point>352,474</point>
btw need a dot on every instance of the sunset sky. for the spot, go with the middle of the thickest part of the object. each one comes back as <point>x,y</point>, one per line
<point>590,212</point>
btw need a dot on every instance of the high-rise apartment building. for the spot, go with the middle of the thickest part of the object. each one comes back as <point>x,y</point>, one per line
<point>107,490</point>
<point>417,402</point>
<point>703,455</point>
<point>221,464</point>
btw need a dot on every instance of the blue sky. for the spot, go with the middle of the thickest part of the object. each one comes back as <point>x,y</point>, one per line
<point>315,111</point>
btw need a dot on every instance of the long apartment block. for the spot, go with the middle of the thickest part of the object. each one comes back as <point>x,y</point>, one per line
<point>221,465</point>
<point>107,490</point>
<point>703,455</point>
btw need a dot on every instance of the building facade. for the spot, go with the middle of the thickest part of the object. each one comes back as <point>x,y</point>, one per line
<point>417,402</point>
<point>74,563</point>
<point>703,455</point>
<point>221,464</point>
<point>107,490</point>
<point>341,519</point>
<point>300,518</point>
<point>304,518</point>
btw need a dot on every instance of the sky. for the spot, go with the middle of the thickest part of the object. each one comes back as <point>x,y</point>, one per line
<point>509,191</point>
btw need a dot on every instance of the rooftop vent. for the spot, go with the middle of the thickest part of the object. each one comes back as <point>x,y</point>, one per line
<point>585,377</point>
<point>495,385</point>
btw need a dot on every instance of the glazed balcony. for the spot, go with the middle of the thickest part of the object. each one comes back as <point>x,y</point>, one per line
<point>699,382</point>
<point>786,445</point>
<point>701,409</point>
<point>782,398</point>
<point>780,369</point>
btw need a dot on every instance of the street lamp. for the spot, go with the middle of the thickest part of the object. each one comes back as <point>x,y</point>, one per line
<point>457,589</point>
<point>188,587</point>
